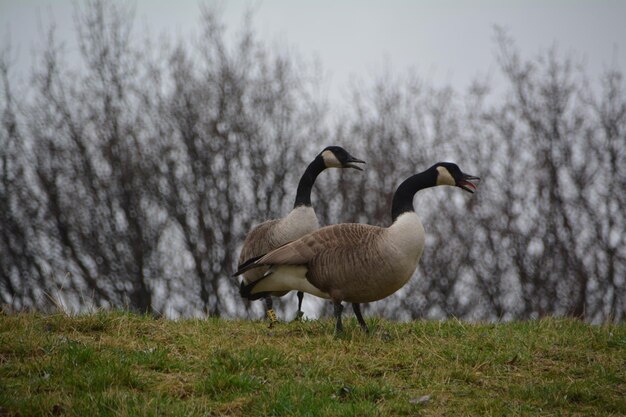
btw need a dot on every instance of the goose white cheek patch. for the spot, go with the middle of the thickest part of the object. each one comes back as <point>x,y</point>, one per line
<point>330,160</point>
<point>444,177</point>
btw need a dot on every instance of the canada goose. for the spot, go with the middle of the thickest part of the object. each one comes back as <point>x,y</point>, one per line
<point>351,262</point>
<point>301,220</point>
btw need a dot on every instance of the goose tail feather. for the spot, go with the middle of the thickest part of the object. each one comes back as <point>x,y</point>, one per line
<point>248,265</point>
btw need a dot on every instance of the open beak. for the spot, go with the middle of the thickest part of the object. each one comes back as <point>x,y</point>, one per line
<point>468,183</point>
<point>352,161</point>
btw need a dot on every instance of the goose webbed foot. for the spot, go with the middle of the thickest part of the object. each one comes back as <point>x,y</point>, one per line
<point>357,312</point>
<point>271,314</point>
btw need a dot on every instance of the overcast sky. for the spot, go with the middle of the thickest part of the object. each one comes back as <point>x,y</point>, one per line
<point>445,41</point>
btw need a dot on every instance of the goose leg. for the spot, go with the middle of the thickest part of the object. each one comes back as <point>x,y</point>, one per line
<point>271,315</point>
<point>357,312</point>
<point>300,313</point>
<point>338,311</point>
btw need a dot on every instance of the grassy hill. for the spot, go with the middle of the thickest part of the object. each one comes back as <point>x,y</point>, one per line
<point>127,365</point>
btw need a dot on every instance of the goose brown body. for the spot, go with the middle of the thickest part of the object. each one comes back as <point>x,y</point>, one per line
<point>350,262</point>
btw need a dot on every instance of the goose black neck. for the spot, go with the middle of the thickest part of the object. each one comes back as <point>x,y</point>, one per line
<point>403,197</point>
<point>303,195</point>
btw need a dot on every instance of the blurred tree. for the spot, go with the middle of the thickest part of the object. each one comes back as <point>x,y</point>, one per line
<point>238,121</point>
<point>91,166</point>
<point>23,270</point>
<point>129,177</point>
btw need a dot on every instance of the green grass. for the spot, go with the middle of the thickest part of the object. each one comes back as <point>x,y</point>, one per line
<point>120,364</point>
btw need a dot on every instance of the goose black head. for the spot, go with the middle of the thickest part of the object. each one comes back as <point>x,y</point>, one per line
<point>449,173</point>
<point>338,157</point>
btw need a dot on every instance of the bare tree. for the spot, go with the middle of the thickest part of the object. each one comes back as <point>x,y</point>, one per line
<point>606,145</point>
<point>130,176</point>
<point>90,159</point>
<point>534,239</point>
<point>238,121</point>
<point>23,269</point>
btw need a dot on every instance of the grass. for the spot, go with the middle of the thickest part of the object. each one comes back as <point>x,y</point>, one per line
<point>120,364</point>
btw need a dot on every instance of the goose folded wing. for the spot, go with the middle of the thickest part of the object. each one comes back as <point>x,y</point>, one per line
<point>298,252</point>
<point>305,249</point>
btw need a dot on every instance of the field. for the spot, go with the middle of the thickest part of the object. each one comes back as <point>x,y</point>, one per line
<point>121,364</point>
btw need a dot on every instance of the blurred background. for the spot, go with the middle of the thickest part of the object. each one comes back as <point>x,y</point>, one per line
<point>139,142</point>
